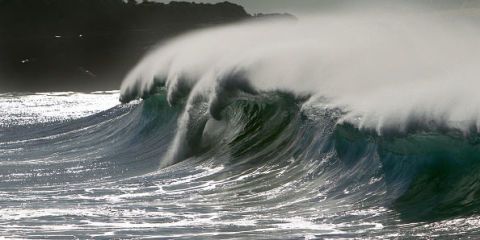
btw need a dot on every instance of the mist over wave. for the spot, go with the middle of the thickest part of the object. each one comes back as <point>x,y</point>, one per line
<point>385,70</point>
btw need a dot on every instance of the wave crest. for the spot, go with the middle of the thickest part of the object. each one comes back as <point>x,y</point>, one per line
<point>386,71</point>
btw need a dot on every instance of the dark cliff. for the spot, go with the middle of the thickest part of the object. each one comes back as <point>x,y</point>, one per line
<point>85,45</point>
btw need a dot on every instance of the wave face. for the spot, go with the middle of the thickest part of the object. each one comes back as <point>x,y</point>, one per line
<point>346,126</point>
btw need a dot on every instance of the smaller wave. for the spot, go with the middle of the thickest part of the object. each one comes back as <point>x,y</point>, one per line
<point>125,140</point>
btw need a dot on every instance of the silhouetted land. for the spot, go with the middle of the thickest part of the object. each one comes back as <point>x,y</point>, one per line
<point>85,45</point>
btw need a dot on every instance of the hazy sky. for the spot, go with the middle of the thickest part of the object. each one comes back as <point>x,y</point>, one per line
<point>300,7</point>
<point>268,6</point>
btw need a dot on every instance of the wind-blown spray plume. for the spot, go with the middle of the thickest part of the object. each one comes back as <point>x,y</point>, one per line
<point>384,70</point>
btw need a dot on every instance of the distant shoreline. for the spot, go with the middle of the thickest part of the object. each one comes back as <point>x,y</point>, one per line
<point>89,45</point>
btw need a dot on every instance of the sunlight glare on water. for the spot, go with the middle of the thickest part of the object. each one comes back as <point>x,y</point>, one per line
<point>24,109</point>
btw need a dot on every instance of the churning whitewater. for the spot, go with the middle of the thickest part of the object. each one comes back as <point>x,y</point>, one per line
<point>354,125</point>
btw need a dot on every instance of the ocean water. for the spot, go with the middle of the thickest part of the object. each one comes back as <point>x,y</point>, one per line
<point>76,166</point>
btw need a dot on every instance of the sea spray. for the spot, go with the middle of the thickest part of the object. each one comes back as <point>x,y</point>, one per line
<point>385,70</point>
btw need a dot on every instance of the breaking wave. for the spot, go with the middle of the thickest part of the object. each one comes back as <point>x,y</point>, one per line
<point>353,125</point>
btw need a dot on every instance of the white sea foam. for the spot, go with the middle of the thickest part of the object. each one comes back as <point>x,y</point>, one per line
<point>386,70</point>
